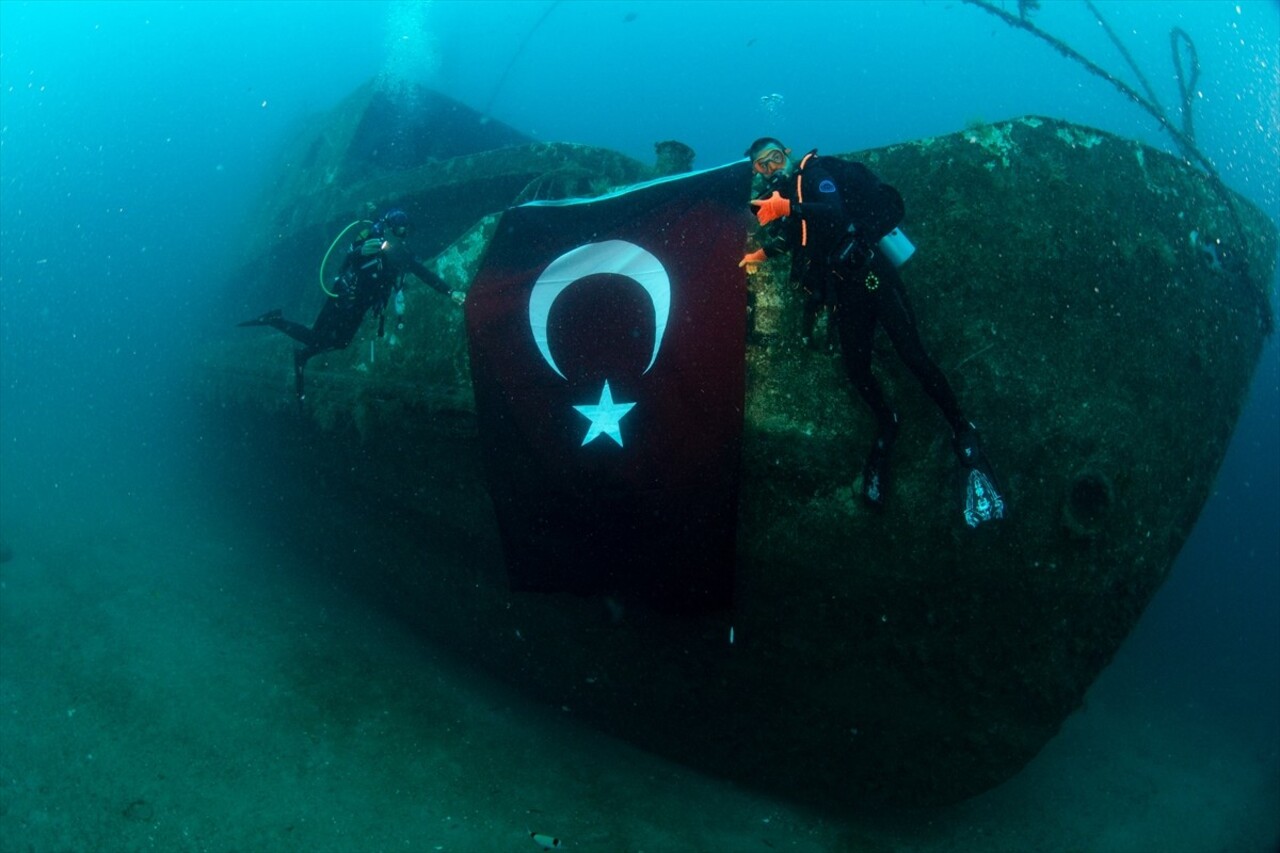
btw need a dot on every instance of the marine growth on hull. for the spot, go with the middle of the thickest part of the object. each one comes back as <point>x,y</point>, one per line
<point>1077,290</point>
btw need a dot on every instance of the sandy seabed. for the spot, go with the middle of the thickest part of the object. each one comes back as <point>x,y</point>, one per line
<point>170,680</point>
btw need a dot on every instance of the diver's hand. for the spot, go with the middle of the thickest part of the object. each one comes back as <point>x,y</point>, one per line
<point>372,246</point>
<point>458,296</point>
<point>771,208</point>
<point>752,261</point>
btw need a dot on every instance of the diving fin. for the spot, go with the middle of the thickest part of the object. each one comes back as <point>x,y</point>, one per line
<point>875,477</point>
<point>982,499</point>
<point>982,502</point>
<point>875,473</point>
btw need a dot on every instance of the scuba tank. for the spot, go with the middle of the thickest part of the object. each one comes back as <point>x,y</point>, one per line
<point>896,247</point>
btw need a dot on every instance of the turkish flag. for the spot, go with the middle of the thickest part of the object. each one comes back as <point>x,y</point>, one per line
<point>608,342</point>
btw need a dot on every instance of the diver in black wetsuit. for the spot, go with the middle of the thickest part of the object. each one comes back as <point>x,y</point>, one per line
<point>373,269</point>
<point>831,216</point>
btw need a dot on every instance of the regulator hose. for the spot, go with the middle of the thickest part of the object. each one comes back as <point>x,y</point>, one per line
<point>336,241</point>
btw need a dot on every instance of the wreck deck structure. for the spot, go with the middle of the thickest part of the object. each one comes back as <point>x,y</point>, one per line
<point>1074,286</point>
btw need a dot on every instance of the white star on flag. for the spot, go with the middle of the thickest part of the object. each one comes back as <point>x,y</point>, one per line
<point>604,416</point>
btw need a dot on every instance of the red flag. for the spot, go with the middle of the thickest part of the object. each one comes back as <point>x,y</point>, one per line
<point>607,344</point>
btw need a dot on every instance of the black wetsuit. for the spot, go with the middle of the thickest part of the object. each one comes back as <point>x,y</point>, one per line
<point>864,288</point>
<point>373,269</point>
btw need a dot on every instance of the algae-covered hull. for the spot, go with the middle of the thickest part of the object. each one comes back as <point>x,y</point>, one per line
<point>1072,286</point>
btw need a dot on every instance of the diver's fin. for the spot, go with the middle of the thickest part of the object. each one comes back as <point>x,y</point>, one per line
<point>982,502</point>
<point>267,319</point>
<point>875,473</point>
<point>875,478</point>
<point>982,499</point>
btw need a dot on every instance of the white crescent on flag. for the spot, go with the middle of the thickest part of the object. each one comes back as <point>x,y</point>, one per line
<point>616,257</point>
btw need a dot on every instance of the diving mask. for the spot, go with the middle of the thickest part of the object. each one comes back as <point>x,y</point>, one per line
<point>769,162</point>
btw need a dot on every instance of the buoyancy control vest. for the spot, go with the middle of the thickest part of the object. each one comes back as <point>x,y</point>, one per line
<point>874,208</point>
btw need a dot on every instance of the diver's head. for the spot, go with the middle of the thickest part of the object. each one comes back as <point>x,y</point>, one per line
<point>394,221</point>
<point>769,158</point>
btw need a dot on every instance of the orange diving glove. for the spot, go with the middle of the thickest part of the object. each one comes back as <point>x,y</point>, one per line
<point>752,261</point>
<point>771,208</point>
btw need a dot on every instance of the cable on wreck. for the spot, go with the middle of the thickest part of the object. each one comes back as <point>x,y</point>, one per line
<point>1184,137</point>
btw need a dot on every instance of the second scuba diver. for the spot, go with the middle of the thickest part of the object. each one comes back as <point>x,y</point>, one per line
<point>831,216</point>
<point>373,269</point>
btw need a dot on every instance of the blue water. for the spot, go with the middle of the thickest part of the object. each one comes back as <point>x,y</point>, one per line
<point>135,138</point>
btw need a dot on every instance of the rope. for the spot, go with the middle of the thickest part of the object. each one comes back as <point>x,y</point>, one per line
<point>1186,88</point>
<point>497,89</point>
<point>1184,138</point>
<point>1128,58</point>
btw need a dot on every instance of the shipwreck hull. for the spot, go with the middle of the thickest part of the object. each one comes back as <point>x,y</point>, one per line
<point>1070,285</point>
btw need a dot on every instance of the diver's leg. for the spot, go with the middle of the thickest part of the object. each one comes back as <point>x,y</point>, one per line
<point>855,319</point>
<point>275,319</point>
<point>300,358</point>
<point>334,328</point>
<point>983,498</point>
<point>820,294</point>
<point>808,319</point>
<point>300,333</point>
<point>899,323</point>
<point>313,343</point>
<point>814,289</point>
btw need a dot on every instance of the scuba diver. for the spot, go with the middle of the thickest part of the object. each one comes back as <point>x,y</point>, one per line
<point>833,217</point>
<point>374,268</point>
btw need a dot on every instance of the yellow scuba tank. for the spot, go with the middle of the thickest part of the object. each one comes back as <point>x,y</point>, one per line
<point>329,251</point>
